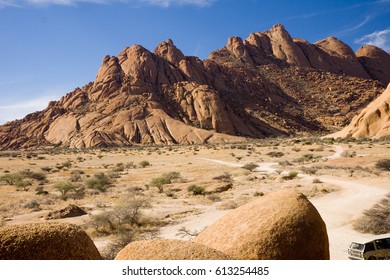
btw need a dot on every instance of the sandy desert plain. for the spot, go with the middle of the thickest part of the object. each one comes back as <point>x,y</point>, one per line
<point>176,191</point>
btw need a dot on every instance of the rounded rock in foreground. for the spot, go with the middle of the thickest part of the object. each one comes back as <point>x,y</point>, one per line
<point>278,226</point>
<point>46,241</point>
<point>168,250</point>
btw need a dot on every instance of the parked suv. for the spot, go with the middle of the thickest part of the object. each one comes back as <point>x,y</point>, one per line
<point>374,248</point>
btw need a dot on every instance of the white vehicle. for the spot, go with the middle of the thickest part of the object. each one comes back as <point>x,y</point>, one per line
<point>371,248</point>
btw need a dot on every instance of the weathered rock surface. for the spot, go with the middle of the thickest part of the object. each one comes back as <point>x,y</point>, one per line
<point>372,122</point>
<point>68,212</point>
<point>168,250</point>
<point>278,226</point>
<point>46,241</point>
<point>376,62</point>
<point>266,85</point>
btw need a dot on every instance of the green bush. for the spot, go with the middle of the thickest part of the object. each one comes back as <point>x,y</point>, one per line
<point>11,178</point>
<point>164,179</point>
<point>196,190</point>
<point>100,182</point>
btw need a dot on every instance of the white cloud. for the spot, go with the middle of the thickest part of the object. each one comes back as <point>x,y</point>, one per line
<point>161,3</point>
<point>21,109</point>
<point>379,39</point>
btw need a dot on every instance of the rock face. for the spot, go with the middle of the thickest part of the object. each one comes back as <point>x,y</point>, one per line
<point>372,122</point>
<point>376,62</point>
<point>46,241</point>
<point>278,226</point>
<point>168,250</point>
<point>68,212</point>
<point>266,85</point>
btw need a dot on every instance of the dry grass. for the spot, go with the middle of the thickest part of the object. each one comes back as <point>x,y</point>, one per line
<point>130,172</point>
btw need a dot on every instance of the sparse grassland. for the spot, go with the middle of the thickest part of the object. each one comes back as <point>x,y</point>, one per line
<point>140,192</point>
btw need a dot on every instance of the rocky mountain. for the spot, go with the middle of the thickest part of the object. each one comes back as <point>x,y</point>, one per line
<point>372,122</point>
<point>266,85</point>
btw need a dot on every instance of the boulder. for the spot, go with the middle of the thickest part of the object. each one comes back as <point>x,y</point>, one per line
<point>46,241</point>
<point>68,212</point>
<point>279,226</point>
<point>168,250</point>
<point>372,122</point>
<point>376,62</point>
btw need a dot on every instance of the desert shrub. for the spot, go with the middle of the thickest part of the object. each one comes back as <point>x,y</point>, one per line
<point>120,241</point>
<point>121,217</point>
<point>46,168</point>
<point>23,185</point>
<point>250,166</point>
<point>196,190</point>
<point>164,179</point>
<point>100,182</point>
<point>317,181</point>
<point>144,163</point>
<point>184,232</point>
<point>33,205</point>
<point>225,177</point>
<point>64,188</point>
<point>40,191</point>
<point>275,154</point>
<point>11,178</point>
<point>38,176</point>
<point>309,170</point>
<point>257,194</point>
<point>67,164</point>
<point>375,220</point>
<point>120,167</point>
<point>383,164</point>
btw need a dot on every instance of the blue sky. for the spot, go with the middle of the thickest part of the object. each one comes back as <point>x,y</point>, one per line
<point>50,47</point>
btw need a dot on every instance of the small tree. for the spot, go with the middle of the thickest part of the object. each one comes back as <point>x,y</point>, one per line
<point>64,188</point>
<point>100,182</point>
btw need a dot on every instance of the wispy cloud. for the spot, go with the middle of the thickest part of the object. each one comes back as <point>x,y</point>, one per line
<point>380,39</point>
<point>20,109</point>
<point>160,3</point>
<point>355,27</point>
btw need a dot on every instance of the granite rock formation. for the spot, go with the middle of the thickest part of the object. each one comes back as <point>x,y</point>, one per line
<point>269,84</point>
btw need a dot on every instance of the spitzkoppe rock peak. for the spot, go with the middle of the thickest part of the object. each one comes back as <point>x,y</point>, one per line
<point>269,84</point>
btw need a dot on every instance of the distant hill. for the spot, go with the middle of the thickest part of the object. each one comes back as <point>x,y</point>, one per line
<point>266,85</point>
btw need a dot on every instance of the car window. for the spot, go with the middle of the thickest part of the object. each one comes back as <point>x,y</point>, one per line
<point>369,247</point>
<point>386,243</point>
<point>357,246</point>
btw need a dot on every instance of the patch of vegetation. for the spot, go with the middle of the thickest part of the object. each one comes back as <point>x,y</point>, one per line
<point>100,182</point>
<point>375,220</point>
<point>196,190</point>
<point>66,187</point>
<point>250,166</point>
<point>164,179</point>
<point>275,154</point>
<point>383,164</point>
<point>144,163</point>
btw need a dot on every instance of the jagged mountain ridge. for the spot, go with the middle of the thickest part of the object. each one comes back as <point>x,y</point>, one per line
<point>266,85</point>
